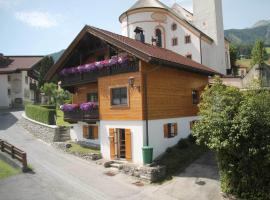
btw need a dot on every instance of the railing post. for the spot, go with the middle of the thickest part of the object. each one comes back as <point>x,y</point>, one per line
<point>2,145</point>
<point>12,152</point>
<point>24,161</point>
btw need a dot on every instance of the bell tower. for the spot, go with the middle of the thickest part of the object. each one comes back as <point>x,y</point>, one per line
<point>208,17</point>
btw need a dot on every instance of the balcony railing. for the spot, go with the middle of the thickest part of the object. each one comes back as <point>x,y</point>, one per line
<point>79,115</point>
<point>82,78</point>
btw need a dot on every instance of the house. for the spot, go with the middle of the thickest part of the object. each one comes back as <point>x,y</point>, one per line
<point>198,36</point>
<point>128,94</point>
<point>17,80</point>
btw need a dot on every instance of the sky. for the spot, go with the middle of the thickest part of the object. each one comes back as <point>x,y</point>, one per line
<point>41,27</point>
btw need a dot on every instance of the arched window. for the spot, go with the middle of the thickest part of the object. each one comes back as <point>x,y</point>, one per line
<point>174,26</point>
<point>159,37</point>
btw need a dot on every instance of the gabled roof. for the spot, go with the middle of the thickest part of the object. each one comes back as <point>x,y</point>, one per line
<point>145,52</point>
<point>19,63</point>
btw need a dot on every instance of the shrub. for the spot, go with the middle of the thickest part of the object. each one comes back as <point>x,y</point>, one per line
<point>236,125</point>
<point>41,114</point>
<point>49,106</point>
<point>183,144</point>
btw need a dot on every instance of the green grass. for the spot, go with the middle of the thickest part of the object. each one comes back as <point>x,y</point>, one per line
<point>268,50</point>
<point>6,170</point>
<point>244,62</point>
<point>76,148</point>
<point>60,119</point>
<point>177,158</point>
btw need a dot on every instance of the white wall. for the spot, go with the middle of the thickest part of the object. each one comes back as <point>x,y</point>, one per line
<point>4,98</point>
<point>156,133</point>
<point>76,133</point>
<point>137,137</point>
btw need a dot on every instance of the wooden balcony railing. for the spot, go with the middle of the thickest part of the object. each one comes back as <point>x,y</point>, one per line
<point>14,152</point>
<point>76,79</point>
<point>84,116</point>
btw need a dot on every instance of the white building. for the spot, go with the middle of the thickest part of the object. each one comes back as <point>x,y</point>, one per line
<point>17,85</point>
<point>199,36</point>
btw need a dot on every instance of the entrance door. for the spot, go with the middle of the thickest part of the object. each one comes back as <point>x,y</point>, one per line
<point>120,144</point>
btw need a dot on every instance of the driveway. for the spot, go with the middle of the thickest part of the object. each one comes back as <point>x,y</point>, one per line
<point>62,176</point>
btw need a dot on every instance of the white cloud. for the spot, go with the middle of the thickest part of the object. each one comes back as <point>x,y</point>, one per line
<point>38,19</point>
<point>9,3</point>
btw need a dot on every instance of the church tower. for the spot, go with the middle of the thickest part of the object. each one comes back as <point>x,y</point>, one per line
<point>208,17</point>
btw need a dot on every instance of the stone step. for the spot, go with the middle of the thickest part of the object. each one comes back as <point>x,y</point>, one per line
<point>116,165</point>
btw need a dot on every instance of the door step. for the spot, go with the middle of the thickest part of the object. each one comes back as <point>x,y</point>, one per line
<point>117,165</point>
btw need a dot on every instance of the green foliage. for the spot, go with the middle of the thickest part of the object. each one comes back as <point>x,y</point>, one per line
<point>236,125</point>
<point>7,170</point>
<point>259,54</point>
<point>43,68</point>
<point>55,95</point>
<point>41,114</point>
<point>233,54</point>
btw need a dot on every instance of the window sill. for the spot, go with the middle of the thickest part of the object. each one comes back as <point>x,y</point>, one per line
<point>119,106</point>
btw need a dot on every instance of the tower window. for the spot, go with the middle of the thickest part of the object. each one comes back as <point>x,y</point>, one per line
<point>174,41</point>
<point>159,37</point>
<point>174,26</point>
<point>189,56</point>
<point>187,39</point>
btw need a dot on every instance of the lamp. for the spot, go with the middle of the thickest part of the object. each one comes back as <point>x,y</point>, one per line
<point>131,83</point>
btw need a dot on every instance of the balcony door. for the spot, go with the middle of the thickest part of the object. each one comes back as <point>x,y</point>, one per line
<point>92,97</point>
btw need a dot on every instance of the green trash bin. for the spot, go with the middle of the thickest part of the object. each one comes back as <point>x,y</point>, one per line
<point>147,154</point>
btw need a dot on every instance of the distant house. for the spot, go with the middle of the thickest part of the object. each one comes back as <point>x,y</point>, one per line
<point>17,80</point>
<point>127,94</point>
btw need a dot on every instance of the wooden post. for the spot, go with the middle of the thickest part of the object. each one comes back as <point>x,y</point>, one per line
<point>2,145</point>
<point>24,161</point>
<point>12,152</point>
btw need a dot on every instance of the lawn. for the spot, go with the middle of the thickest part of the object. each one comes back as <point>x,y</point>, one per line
<point>6,170</point>
<point>60,119</point>
<point>76,148</point>
<point>177,158</point>
<point>268,50</point>
<point>244,62</point>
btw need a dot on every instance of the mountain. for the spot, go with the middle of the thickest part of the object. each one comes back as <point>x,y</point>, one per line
<point>248,36</point>
<point>57,55</point>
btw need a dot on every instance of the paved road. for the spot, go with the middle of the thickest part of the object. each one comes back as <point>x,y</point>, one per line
<point>60,176</point>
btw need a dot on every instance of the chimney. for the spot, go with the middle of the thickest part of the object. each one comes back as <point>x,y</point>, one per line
<point>139,34</point>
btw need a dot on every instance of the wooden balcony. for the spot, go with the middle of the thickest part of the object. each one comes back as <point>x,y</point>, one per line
<point>83,116</point>
<point>77,79</point>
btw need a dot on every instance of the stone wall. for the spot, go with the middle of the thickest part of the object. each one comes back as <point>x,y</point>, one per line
<point>44,132</point>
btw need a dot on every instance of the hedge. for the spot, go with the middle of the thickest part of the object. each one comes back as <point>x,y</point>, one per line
<point>41,114</point>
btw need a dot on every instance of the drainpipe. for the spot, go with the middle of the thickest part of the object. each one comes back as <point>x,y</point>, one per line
<point>146,109</point>
<point>201,47</point>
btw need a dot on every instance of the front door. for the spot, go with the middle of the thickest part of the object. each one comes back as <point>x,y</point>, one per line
<point>120,144</point>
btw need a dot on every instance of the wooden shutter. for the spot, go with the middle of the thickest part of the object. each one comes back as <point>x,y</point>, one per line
<point>128,144</point>
<point>175,129</point>
<point>85,132</point>
<point>166,130</point>
<point>95,130</point>
<point>112,143</point>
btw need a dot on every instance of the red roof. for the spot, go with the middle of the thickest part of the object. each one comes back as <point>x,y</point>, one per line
<point>19,63</point>
<point>143,51</point>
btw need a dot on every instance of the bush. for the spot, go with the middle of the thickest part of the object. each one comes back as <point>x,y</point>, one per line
<point>41,114</point>
<point>236,125</point>
<point>183,144</point>
<point>49,106</point>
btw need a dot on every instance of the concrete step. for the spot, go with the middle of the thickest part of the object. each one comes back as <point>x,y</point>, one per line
<point>116,165</point>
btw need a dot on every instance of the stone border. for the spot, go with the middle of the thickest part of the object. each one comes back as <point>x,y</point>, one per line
<point>36,122</point>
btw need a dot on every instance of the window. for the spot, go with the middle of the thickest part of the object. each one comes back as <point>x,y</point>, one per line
<point>92,97</point>
<point>174,26</point>
<point>9,92</point>
<point>90,132</point>
<point>187,39</point>
<point>189,56</point>
<point>119,96</point>
<point>195,97</point>
<point>159,37</point>
<point>174,41</point>
<point>26,79</point>
<point>170,130</point>
<point>9,78</point>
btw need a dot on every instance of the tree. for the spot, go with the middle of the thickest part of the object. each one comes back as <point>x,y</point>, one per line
<point>259,54</point>
<point>43,68</point>
<point>50,90</point>
<point>235,124</point>
<point>233,55</point>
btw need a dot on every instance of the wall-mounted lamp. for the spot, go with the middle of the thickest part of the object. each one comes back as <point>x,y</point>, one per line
<point>131,83</point>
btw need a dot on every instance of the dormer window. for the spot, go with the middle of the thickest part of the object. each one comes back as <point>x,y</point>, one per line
<point>174,27</point>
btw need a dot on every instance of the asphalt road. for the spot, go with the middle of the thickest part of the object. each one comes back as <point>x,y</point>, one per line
<point>60,176</point>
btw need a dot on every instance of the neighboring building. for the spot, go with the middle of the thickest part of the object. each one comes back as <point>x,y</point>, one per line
<point>138,94</point>
<point>17,80</point>
<point>259,74</point>
<point>198,36</point>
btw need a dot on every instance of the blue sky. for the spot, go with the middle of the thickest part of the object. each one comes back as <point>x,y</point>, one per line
<point>39,27</point>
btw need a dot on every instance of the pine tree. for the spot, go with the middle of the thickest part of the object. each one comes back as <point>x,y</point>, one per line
<point>259,54</point>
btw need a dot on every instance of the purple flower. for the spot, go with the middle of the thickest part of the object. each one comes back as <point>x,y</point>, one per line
<point>81,69</point>
<point>88,106</point>
<point>69,107</point>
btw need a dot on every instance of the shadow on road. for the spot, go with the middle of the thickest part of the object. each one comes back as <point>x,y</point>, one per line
<point>7,119</point>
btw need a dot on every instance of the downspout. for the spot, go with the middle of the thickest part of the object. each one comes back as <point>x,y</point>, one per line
<point>201,47</point>
<point>146,109</point>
